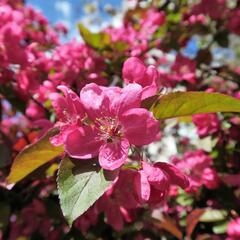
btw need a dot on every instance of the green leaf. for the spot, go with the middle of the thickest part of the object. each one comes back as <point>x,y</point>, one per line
<point>220,228</point>
<point>213,215</point>
<point>184,199</point>
<point>96,40</point>
<point>34,156</point>
<point>179,104</point>
<point>80,184</point>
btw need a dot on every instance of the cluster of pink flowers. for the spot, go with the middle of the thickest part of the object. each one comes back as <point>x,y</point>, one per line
<point>198,166</point>
<point>138,39</point>
<point>207,124</point>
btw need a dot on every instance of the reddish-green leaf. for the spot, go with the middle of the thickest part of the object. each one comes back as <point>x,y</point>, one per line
<point>192,221</point>
<point>34,156</point>
<point>168,225</point>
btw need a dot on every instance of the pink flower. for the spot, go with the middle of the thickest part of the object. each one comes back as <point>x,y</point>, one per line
<point>233,230</point>
<point>197,165</point>
<point>135,71</point>
<point>195,19</point>
<point>153,182</point>
<point>69,111</point>
<point>114,121</point>
<point>206,124</point>
<point>184,69</point>
<point>35,111</point>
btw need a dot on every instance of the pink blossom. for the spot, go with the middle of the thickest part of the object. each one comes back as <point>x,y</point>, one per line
<point>152,21</point>
<point>184,69</point>
<point>206,124</point>
<point>35,111</point>
<point>233,229</point>
<point>197,165</point>
<point>153,181</point>
<point>135,71</point>
<point>69,111</point>
<point>75,63</point>
<point>194,19</point>
<point>108,130</point>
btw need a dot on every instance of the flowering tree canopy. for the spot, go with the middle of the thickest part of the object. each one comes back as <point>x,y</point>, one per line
<point>127,134</point>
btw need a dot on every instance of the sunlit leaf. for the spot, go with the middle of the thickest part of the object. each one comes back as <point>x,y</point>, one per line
<point>96,40</point>
<point>220,228</point>
<point>179,104</point>
<point>80,184</point>
<point>213,215</point>
<point>34,156</point>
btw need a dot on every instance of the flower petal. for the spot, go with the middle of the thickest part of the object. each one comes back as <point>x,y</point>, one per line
<point>94,100</point>
<point>142,186</point>
<point>130,97</point>
<point>175,175</point>
<point>156,177</point>
<point>68,107</point>
<point>82,143</point>
<point>133,70</point>
<point>140,127</point>
<point>113,155</point>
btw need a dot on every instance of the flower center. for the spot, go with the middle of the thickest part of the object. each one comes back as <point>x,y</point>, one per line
<point>108,128</point>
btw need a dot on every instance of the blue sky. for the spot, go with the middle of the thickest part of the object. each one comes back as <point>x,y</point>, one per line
<point>70,12</point>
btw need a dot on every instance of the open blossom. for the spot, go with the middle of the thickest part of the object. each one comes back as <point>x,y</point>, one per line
<point>233,230</point>
<point>153,181</point>
<point>206,124</point>
<point>197,165</point>
<point>135,71</point>
<point>105,122</point>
